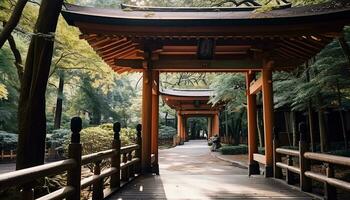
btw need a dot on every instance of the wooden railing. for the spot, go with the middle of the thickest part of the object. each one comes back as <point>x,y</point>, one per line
<point>306,175</point>
<point>121,171</point>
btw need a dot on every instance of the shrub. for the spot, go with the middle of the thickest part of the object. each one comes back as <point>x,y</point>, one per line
<point>166,132</point>
<point>234,150</point>
<point>8,141</point>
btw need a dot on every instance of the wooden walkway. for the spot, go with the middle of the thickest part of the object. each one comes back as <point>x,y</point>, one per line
<point>191,172</point>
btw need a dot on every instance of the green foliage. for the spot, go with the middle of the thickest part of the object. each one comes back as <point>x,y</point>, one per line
<point>166,132</point>
<point>8,141</point>
<point>229,89</point>
<point>99,138</point>
<point>234,150</point>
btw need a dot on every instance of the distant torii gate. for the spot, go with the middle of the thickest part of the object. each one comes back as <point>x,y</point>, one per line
<point>154,40</point>
<point>192,103</point>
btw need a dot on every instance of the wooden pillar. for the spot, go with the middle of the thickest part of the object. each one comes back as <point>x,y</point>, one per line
<point>210,132</point>
<point>146,121</point>
<point>184,132</point>
<point>179,127</point>
<point>155,119</point>
<point>268,119</point>
<point>251,118</point>
<point>216,124</point>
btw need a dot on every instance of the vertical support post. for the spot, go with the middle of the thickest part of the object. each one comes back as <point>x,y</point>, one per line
<point>115,160</point>
<point>276,156</point>
<point>155,120</point>
<point>138,151</point>
<point>27,192</point>
<point>210,132</point>
<point>216,125</point>
<point>131,167</point>
<point>184,128</point>
<point>146,121</point>
<point>330,192</point>
<point>74,152</point>
<point>124,172</point>
<point>268,119</point>
<point>289,175</point>
<point>305,182</point>
<point>179,127</point>
<point>251,116</point>
<point>97,193</point>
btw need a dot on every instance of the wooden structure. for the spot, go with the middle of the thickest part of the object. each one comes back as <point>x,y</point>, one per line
<point>192,103</point>
<point>154,40</point>
<point>125,166</point>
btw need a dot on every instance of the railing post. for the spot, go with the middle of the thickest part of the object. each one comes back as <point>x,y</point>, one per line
<point>289,174</point>
<point>125,170</point>
<point>276,156</point>
<point>74,152</point>
<point>97,193</point>
<point>330,192</point>
<point>27,192</point>
<point>115,160</point>
<point>139,150</point>
<point>131,167</point>
<point>305,182</point>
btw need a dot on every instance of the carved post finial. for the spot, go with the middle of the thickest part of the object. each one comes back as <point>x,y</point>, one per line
<point>75,127</point>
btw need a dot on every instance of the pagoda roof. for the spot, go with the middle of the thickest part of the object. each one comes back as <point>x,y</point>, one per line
<point>231,39</point>
<point>187,92</point>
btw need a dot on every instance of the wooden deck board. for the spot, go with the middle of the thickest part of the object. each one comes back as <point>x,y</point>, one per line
<point>190,172</point>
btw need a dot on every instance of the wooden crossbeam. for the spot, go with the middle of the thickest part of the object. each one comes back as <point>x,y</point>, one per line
<point>256,86</point>
<point>259,158</point>
<point>195,65</point>
<point>198,112</point>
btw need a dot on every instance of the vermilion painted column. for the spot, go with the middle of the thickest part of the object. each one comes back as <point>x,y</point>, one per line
<point>155,119</point>
<point>268,119</point>
<point>185,129</point>
<point>253,167</point>
<point>210,129</point>
<point>146,121</point>
<point>179,126</point>
<point>216,124</point>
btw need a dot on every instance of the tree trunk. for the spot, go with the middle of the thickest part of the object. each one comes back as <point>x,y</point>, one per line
<point>286,121</point>
<point>12,22</point>
<point>294,128</point>
<point>18,57</point>
<point>226,124</point>
<point>166,119</point>
<point>346,49</point>
<point>260,128</point>
<point>322,128</point>
<point>58,112</point>
<point>31,107</point>
<point>342,117</point>
<point>310,118</point>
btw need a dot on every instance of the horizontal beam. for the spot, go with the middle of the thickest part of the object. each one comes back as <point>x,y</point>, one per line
<point>193,65</point>
<point>259,158</point>
<point>256,86</point>
<point>198,112</point>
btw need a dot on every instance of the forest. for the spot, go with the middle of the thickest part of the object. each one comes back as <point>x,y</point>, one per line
<point>81,84</point>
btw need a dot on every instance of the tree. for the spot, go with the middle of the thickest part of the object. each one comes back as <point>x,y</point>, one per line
<point>31,108</point>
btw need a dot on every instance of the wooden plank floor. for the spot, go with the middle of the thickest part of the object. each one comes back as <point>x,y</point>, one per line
<point>190,172</point>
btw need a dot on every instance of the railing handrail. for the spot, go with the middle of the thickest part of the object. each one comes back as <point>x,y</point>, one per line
<point>23,176</point>
<point>127,149</point>
<point>289,152</point>
<point>90,158</point>
<point>328,158</point>
<point>127,169</point>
